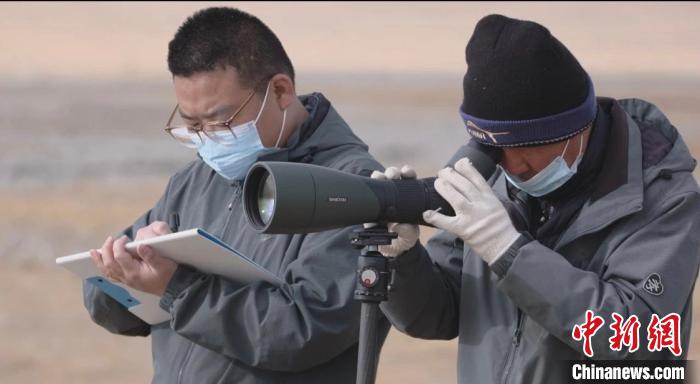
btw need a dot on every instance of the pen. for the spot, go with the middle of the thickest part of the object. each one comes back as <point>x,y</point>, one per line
<point>174,221</point>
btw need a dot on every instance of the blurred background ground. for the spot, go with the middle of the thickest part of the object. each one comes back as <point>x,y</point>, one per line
<point>85,93</point>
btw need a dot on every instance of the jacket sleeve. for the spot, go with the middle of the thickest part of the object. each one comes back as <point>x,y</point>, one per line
<point>425,300</point>
<point>107,312</point>
<point>556,294</point>
<point>310,319</point>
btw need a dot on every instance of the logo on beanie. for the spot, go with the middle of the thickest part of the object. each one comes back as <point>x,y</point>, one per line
<point>481,134</point>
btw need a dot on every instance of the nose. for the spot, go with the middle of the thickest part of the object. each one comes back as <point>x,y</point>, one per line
<point>515,165</point>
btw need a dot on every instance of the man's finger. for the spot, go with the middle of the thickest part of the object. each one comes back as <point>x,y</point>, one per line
<point>148,255</point>
<point>160,228</point>
<point>459,182</point>
<point>128,265</point>
<point>439,220</point>
<point>456,199</point>
<point>97,259</point>
<point>378,175</point>
<point>466,169</point>
<point>114,268</point>
<point>107,253</point>
<point>407,172</point>
<point>393,173</point>
<point>145,233</point>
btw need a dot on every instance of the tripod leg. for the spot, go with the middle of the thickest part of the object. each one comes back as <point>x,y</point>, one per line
<point>369,344</point>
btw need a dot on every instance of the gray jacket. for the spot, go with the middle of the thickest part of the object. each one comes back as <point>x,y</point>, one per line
<point>305,331</point>
<point>515,321</point>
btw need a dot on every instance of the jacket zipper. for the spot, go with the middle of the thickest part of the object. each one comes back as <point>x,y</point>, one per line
<point>184,362</point>
<point>520,323</point>
<point>236,194</point>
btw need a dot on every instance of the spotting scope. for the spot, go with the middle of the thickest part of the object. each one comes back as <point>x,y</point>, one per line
<point>285,198</point>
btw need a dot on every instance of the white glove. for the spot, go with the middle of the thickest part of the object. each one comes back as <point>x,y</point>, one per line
<point>480,218</point>
<point>408,233</point>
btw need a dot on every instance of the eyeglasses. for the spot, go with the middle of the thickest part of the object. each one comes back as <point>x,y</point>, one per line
<point>217,131</point>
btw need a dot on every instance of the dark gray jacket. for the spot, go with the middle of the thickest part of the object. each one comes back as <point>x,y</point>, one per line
<point>515,322</point>
<point>305,331</point>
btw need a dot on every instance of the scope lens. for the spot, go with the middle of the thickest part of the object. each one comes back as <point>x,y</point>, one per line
<point>266,198</point>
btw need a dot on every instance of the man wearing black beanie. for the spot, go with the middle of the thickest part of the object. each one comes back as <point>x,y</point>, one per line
<point>591,220</point>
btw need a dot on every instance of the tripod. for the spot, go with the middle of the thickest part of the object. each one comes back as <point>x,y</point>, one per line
<point>374,279</point>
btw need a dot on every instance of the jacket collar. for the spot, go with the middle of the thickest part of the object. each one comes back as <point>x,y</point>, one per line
<point>618,193</point>
<point>619,188</point>
<point>318,107</point>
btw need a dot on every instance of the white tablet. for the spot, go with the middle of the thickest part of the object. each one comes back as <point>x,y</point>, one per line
<point>194,247</point>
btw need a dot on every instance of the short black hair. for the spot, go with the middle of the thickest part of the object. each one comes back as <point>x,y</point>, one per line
<point>220,36</point>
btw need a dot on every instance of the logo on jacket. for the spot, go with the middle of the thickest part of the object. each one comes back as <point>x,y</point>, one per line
<point>653,284</point>
<point>481,134</point>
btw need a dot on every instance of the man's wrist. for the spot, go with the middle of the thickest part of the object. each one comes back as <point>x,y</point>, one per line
<point>502,263</point>
<point>183,278</point>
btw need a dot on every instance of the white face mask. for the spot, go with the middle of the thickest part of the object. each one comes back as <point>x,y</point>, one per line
<point>553,176</point>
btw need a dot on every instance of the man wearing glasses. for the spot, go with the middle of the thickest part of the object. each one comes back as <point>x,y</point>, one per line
<point>237,104</point>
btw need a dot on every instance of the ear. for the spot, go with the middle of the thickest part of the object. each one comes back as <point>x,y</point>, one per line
<point>283,90</point>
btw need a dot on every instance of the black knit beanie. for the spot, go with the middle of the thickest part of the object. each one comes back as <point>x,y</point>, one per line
<point>522,86</point>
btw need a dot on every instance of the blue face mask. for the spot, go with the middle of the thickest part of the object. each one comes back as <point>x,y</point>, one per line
<point>233,159</point>
<point>551,177</point>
